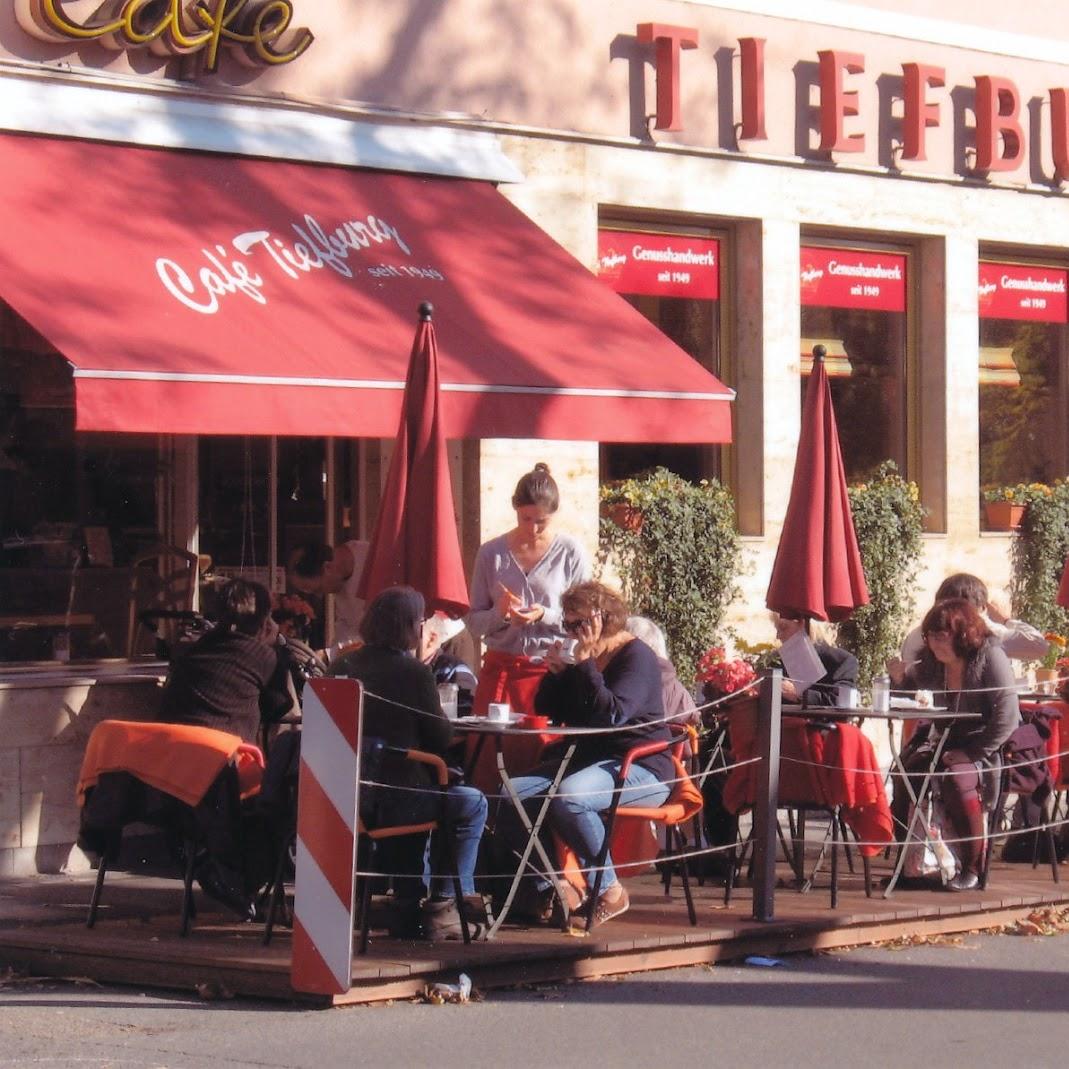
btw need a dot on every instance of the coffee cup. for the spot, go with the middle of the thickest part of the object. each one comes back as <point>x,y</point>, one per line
<point>498,711</point>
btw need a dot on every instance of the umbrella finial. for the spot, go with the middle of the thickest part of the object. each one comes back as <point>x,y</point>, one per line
<point>819,352</point>
<point>426,310</point>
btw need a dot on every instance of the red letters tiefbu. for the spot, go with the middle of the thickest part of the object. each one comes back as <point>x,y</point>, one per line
<point>1059,132</point>
<point>668,41</point>
<point>998,104</point>
<point>752,79</point>
<point>918,113</point>
<point>837,103</point>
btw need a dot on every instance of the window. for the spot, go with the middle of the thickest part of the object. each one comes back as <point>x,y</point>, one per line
<point>673,279</point>
<point>1024,400</point>
<point>854,304</point>
<point>76,510</point>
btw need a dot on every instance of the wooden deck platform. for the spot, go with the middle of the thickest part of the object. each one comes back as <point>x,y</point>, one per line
<point>136,941</point>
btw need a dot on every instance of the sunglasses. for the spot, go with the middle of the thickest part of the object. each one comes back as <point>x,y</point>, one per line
<point>573,627</point>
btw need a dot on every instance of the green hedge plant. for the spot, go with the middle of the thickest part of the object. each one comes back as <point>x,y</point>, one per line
<point>678,558</point>
<point>888,519</point>
<point>1039,549</point>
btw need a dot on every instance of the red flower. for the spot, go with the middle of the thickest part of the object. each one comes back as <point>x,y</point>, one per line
<point>726,676</point>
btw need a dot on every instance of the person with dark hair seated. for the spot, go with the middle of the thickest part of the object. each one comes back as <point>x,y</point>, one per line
<point>314,568</point>
<point>234,678</point>
<point>1019,640</point>
<point>237,675</point>
<point>615,682</point>
<point>966,670</point>
<point>401,708</point>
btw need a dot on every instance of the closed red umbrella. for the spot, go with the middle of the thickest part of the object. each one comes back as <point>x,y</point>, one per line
<point>817,572</point>
<point>415,541</point>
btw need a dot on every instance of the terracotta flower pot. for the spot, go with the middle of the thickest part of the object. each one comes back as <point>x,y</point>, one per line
<point>1003,515</point>
<point>625,516</point>
<point>1047,680</point>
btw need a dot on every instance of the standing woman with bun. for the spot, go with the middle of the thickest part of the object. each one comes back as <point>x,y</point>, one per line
<point>515,595</point>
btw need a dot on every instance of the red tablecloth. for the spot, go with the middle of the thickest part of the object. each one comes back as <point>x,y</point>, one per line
<point>835,767</point>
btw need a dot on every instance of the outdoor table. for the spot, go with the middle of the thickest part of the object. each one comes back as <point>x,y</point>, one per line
<point>481,728</point>
<point>942,721</point>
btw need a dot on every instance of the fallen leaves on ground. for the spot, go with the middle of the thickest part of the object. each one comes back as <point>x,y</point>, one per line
<point>1053,920</point>
<point>9,978</point>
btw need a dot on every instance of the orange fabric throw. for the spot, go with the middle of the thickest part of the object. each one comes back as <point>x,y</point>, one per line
<point>178,759</point>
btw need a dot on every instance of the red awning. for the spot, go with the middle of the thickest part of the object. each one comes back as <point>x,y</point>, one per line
<point>207,294</point>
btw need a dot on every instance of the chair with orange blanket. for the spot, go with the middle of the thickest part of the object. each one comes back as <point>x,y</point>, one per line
<point>173,776</point>
<point>824,768</point>
<point>683,803</point>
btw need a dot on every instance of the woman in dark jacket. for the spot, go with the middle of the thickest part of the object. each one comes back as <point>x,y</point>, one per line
<point>615,682</point>
<point>966,671</point>
<point>401,709</point>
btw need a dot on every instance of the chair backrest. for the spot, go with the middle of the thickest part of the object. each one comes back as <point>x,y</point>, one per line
<point>164,578</point>
<point>798,783</point>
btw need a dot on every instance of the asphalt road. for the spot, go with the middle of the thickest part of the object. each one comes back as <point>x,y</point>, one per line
<point>981,1000</point>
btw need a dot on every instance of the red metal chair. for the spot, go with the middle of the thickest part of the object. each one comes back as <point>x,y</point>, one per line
<point>683,803</point>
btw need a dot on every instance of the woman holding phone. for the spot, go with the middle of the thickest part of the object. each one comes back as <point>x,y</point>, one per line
<point>516,589</point>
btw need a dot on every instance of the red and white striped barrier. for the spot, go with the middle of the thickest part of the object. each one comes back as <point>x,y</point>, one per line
<point>326,837</point>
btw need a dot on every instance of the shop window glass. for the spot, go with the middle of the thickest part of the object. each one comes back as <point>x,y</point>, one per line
<point>76,510</point>
<point>854,304</point>
<point>1024,400</point>
<point>674,281</point>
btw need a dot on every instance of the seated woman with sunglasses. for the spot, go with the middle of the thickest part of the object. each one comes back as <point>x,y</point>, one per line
<point>967,671</point>
<point>614,682</point>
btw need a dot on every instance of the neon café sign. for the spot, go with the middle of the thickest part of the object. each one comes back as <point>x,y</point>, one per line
<point>259,30</point>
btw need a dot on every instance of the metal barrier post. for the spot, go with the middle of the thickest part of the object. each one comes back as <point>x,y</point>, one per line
<point>765,810</point>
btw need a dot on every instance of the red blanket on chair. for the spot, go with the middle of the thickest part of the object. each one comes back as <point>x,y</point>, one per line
<point>850,777</point>
<point>836,767</point>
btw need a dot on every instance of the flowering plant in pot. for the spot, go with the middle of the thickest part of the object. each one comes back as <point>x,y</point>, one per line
<point>720,676</point>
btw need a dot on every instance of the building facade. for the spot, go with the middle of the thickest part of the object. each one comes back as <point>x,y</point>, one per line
<point>871,178</point>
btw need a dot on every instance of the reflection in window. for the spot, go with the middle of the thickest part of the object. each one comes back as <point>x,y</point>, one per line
<point>673,279</point>
<point>868,383</point>
<point>1024,403</point>
<point>76,510</point>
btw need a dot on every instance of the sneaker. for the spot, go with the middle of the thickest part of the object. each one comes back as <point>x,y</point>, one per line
<point>964,881</point>
<point>606,909</point>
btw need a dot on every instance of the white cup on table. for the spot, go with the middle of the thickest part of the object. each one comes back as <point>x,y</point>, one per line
<point>498,712</point>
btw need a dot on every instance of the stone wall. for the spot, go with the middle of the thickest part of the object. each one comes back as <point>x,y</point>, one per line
<point>44,726</point>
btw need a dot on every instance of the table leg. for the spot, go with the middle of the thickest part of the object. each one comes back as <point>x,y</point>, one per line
<point>534,843</point>
<point>918,816</point>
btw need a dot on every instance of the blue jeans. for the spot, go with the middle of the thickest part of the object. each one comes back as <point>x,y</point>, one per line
<point>575,814</point>
<point>465,812</point>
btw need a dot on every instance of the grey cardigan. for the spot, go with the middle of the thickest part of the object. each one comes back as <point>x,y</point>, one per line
<point>989,689</point>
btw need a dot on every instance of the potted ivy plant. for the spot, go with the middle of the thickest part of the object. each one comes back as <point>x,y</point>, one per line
<point>1038,554</point>
<point>677,556</point>
<point>888,520</point>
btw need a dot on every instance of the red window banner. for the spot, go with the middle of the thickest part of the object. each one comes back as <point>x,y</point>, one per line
<point>1017,291</point>
<point>659,265</point>
<point>844,278</point>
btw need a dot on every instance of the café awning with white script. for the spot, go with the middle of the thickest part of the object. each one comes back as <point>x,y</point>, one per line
<point>208,294</point>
